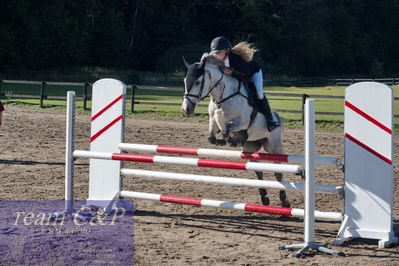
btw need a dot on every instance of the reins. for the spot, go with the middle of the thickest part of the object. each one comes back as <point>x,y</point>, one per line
<point>238,92</point>
<point>198,96</point>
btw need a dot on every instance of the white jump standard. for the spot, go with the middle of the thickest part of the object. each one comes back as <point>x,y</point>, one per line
<point>368,163</point>
<point>368,196</point>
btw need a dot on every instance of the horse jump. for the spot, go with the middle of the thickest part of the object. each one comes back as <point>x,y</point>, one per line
<point>368,163</point>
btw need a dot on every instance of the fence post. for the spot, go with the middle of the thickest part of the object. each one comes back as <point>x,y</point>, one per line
<point>42,94</point>
<point>134,88</point>
<point>85,96</point>
<point>2,94</point>
<point>304,96</point>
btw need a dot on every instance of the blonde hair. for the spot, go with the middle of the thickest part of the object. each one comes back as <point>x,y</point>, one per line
<point>245,50</point>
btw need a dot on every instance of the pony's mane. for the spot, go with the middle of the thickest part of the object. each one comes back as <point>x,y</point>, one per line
<point>213,60</point>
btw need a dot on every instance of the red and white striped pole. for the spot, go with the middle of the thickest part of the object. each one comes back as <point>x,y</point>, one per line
<point>237,165</point>
<point>229,205</point>
<point>216,153</point>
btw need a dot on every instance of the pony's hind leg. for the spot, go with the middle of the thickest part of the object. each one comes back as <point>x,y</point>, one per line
<point>276,148</point>
<point>283,195</point>
<point>262,191</point>
<point>254,146</point>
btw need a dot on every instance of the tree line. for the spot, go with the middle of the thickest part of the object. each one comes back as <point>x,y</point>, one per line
<point>295,38</point>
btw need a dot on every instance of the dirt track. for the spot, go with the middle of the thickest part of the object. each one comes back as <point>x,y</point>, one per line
<point>31,167</point>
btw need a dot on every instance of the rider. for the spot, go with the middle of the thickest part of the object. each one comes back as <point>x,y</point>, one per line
<point>239,64</point>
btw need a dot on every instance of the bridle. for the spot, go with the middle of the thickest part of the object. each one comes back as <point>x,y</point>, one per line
<point>218,103</point>
<point>238,92</point>
<point>198,96</point>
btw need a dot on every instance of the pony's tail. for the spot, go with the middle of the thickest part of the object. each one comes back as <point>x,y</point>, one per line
<point>245,50</point>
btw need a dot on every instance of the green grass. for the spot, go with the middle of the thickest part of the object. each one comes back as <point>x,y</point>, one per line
<point>159,96</point>
<point>328,90</point>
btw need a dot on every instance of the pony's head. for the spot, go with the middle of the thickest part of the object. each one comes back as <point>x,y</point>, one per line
<point>197,82</point>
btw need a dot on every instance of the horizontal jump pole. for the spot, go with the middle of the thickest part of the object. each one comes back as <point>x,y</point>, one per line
<point>279,168</point>
<point>336,216</point>
<point>215,153</point>
<point>229,181</point>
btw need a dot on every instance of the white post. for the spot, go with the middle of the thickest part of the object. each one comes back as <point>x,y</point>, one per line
<point>70,129</point>
<point>309,211</point>
<point>69,147</point>
<point>309,171</point>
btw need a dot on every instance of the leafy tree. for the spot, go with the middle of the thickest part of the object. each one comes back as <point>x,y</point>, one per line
<point>303,37</point>
<point>109,40</point>
<point>162,25</point>
<point>172,60</point>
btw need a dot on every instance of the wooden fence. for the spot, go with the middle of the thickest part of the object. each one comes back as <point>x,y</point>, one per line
<point>302,97</point>
<point>42,93</point>
<point>133,99</point>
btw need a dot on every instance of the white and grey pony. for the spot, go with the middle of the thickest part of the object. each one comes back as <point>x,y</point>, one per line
<point>230,113</point>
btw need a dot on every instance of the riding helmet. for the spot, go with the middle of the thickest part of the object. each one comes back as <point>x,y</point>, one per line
<point>220,43</point>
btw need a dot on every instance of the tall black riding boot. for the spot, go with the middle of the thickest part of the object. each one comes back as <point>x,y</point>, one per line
<point>264,108</point>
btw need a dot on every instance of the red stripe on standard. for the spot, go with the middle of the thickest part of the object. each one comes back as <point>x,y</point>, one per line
<point>268,209</point>
<point>107,107</point>
<point>95,136</point>
<point>364,146</point>
<point>222,164</point>
<point>264,156</point>
<point>369,118</point>
<point>133,157</point>
<point>177,150</point>
<point>181,200</point>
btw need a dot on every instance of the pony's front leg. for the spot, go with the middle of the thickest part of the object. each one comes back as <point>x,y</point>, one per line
<point>214,127</point>
<point>232,127</point>
<point>235,125</point>
<point>237,138</point>
<point>236,133</point>
<point>212,131</point>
